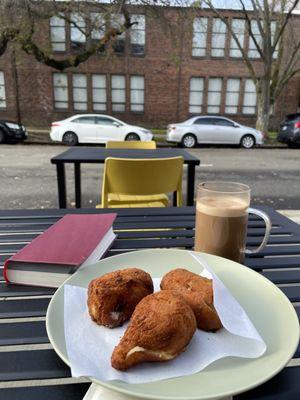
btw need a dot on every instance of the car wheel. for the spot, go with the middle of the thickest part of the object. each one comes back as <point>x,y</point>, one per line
<point>132,136</point>
<point>247,142</point>
<point>2,136</point>
<point>70,138</point>
<point>189,141</point>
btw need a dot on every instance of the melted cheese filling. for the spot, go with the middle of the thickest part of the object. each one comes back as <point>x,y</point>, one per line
<point>163,355</point>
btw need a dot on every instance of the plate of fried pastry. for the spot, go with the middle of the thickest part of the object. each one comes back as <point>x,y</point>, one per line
<point>154,314</point>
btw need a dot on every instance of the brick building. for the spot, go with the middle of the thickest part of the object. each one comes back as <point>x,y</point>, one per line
<point>143,82</point>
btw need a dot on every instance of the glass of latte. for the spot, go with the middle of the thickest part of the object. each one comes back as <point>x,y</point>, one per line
<point>222,210</point>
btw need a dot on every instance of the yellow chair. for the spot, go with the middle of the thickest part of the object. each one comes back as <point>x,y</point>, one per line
<point>131,144</point>
<point>142,182</point>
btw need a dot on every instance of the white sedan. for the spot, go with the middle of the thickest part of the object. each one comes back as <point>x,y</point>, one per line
<point>95,128</point>
<point>213,130</point>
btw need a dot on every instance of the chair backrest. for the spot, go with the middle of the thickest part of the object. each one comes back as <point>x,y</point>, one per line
<point>142,177</point>
<point>131,144</point>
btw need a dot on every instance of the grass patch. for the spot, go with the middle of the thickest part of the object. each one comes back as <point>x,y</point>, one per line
<point>272,138</point>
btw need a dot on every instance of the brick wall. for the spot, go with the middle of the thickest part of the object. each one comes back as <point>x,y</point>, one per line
<point>166,80</point>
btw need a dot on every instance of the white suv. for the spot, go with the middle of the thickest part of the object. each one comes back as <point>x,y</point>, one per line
<point>95,128</point>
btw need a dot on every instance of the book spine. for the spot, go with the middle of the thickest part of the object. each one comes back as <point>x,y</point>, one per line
<point>5,270</point>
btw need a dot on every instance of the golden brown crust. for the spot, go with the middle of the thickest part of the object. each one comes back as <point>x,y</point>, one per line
<point>113,297</point>
<point>160,328</point>
<point>197,292</point>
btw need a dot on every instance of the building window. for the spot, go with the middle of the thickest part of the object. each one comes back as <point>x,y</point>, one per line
<point>252,51</point>
<point>118,95</point>
<point>218,38</point>
<point>2,91</point>
<point>232,96</point>
<point>60,90</point>
<point>238,27</point>
<point>117,21</point>
<point>137,89</point>
<point>58,33</point>
<point>137,34</point>
<point>199,36</point>
<point>196,95</point>
<point>99,92</point>
<point>214,95</point>
<point>98,26</point>
<point>79,92</point>
<point>77,30</point>
<point>249,103</point>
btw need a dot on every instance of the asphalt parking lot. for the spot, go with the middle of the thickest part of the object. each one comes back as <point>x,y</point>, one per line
<point>28,179</point>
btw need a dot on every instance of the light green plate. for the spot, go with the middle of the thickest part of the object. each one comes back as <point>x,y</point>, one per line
<point>268,308</point>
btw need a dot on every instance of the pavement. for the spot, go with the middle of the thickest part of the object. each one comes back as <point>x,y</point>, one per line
<point>28,179</point>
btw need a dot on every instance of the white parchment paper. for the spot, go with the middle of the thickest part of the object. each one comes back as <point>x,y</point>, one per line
<point>90,346</point>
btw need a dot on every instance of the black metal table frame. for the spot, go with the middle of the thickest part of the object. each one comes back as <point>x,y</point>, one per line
<point>70,156</point>
<point>23,308</point>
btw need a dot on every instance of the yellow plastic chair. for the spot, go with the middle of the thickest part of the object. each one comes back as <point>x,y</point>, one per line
<point>131,144</point>
<point>141,182</point>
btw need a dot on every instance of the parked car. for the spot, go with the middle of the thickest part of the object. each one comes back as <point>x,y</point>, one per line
<point>12,132</point>
<point>213,130</point>
<point>289,131</point>
<point>95,128</point>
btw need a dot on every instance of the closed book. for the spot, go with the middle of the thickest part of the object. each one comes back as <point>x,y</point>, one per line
<point>73,242</point>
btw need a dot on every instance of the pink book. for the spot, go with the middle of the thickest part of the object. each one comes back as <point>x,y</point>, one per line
<point>73,242</point>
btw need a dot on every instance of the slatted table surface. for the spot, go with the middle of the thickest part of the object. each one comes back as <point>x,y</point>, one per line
<point>29,367</point>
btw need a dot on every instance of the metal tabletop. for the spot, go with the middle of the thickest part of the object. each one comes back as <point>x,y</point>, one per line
<point>29,367</point>
<point>97,155</point>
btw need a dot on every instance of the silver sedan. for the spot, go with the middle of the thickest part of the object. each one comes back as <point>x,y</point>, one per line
<point>213,130</point>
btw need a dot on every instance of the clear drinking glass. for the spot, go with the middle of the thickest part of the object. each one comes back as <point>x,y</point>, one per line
<point>222,210</point>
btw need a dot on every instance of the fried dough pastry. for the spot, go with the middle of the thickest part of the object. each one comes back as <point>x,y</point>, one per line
<point>112,297</point>
<point>160,328</point>
<point>198,293</point>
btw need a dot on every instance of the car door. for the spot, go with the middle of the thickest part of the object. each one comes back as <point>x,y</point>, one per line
<point>108,129</point>
<point>226,131</point>
<point>84,127</point>
<point>204,129</point>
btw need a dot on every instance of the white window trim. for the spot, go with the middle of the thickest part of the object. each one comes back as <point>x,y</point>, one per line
<point>63,41</point>
<point>137,90</point>
<point>201,93</point>
<point>2,107</point>
<point>115,103</point>
<point>81,88</point>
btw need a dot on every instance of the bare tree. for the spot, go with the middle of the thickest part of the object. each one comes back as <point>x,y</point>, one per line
<point>21,21</point>
<point>271,29</point>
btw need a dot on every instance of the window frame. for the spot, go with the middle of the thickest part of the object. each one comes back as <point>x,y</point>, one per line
<point>52,27</point>
<point>243,103</point>
<point>213,34</point>
<point>196,91</point>
<point>214,91</point>
<point>133,29</point>
<point>80,87</point>
<point>123,89</point>
<point>204,33</point>
<point>4,90</point>
<point>67,91</point>
<point>233,41</point>
<point>99,88</point>
<point>233,92</point>
<point>139,90</point>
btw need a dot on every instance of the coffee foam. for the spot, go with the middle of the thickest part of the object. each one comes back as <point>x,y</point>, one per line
<point>222,206</point>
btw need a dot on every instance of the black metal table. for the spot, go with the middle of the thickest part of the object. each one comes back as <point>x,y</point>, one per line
<point>97,155</point>
<point>23,309</point>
